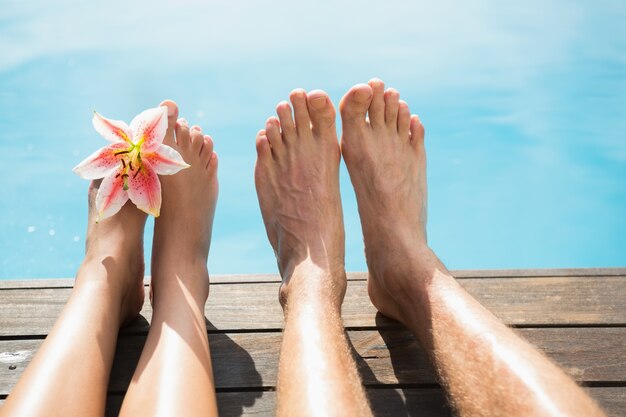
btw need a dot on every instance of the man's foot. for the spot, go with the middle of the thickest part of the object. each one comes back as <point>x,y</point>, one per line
<point>385,156</point>
<point>182,233</point>
<point>297,182</point>
<point>115,244</point>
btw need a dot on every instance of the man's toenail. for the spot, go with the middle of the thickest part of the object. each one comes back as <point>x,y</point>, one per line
<point>318,102</point>
<point>362,94</point>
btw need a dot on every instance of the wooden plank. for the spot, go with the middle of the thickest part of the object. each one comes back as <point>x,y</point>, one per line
<point>544,272</point>
<point>11,284</point>
<point>250,360</point>
<point>215,279</point>
<point>352,276</point>
<point>612,400</point>
<point>69,282</point>
<point>551,301</point>
<point>407,402</point>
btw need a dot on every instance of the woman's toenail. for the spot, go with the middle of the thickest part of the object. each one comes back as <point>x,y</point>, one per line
<point>318,102</point>
<point>182,121</point>
<point>195,127</point>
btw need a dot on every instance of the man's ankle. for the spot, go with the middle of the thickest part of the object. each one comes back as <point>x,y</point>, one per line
<point>310,284</point>
<point>426,274</point>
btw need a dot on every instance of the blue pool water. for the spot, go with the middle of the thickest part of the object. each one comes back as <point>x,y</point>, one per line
<point>524,106</point>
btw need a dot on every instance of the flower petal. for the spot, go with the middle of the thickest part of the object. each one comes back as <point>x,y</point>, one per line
<point>111,195</point>
<point>149,128</point>
<point>101,163</point>
<point>144,189</point>
<point>111,130</point>
<point>166,160</point>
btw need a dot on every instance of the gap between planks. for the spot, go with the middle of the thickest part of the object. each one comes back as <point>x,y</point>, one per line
<point>27,283</point>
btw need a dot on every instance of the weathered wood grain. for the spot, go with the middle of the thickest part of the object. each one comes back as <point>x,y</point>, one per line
<point>407,402</point>
<point>249,360</point>
<point>517,301</point>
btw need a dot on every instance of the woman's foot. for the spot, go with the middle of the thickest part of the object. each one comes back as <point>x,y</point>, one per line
<point>383,147</point>
<point>180,286</point>
<point>182,233</point>
<point>115,244</point>
<point>297,182</point>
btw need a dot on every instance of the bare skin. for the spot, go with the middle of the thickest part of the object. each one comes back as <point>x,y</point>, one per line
<point>108,292</point>
<point>174,376</point>
<point>487,369</point>
<point>297,181</point>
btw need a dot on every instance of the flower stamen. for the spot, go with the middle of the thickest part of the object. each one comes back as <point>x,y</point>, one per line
<point>125,179</point>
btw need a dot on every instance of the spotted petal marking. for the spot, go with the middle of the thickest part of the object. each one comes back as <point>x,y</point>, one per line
<point>111,195</point>
<point>166,160</point>
<point>144,189</point>
<point>149,128</point>
<point>101,163</point>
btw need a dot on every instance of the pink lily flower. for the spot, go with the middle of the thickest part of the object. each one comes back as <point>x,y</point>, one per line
<point>131,163</point>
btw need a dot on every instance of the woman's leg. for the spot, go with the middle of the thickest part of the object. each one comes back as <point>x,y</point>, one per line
<point>174,376</point>
<point>69,374</point>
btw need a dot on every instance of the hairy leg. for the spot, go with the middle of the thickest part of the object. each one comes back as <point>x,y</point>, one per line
<point>69,375</point>
<point>487,369</point>
<point>297,181</point>
<point>174,376</point>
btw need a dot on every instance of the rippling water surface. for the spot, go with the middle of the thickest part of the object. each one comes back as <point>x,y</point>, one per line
<point>524,107</point>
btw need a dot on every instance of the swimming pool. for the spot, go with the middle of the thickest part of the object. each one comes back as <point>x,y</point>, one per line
<point>524,107</point>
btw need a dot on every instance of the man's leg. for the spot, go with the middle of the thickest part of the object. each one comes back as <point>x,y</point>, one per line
<point>174,376</point>
<point>297,180</point>
<point>487,369</point>
<point>69,375</point>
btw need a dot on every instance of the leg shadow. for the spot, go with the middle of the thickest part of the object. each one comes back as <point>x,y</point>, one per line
<point>238,382</point>
<point>417,379</point>
<point>384,401</point>
<point>130,342</point>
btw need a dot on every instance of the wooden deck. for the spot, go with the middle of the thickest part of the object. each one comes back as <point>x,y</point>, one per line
<point>578,317</point>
